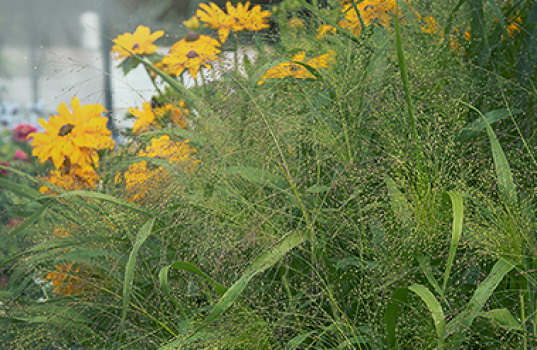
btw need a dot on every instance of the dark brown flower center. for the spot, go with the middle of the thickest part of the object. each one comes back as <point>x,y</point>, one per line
<point>192,54</point>
<point>192,36</point>
<point>65,129</point>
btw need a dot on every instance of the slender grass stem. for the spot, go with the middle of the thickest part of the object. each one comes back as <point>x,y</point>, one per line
<point>418,155</point>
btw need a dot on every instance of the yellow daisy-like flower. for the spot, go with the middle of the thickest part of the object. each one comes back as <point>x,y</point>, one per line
<point>244,18</point>
<point>139,43</point>
<point>324,30</point>
<point>191,53</point>
<point>73,136</point>
<point>77,178</point>
<point>290,69</point>
<point>257,19</point>
<point>371,11</point>
<point>236,19</point>
<point>144,118</point>
<point>216,19</point>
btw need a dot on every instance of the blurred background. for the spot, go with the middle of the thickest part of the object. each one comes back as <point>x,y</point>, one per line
<point>52,50</point>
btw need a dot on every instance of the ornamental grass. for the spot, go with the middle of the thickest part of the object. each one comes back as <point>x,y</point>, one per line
<point>365,179</point>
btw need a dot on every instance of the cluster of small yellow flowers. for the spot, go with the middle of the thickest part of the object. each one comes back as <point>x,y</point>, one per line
<point>173,152</point>
<point>139,43</point>
<point>66,280</point>
<point>236,19</point>
<point>324,30</point>
<point>137,179</point>
<point>296,23</point>
<point>166,114</point>
<point>140,176</point>
<point>430,27</point>
<point>77,178</point>
<point>294,70</point>
<point>191,53</point>
<point>61,232</point>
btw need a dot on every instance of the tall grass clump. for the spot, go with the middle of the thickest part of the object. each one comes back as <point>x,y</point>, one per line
<point>361,178</point>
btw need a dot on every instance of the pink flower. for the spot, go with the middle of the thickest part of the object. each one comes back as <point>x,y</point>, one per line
<point>21,132</point>
<point>20,155</point>
<point>3,172</point>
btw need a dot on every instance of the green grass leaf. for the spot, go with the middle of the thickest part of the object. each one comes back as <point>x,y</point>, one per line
<point>503,318</point>
<point>260,264</point>
<point>181,265</point>
<point>144,232</point>
<point>456,232</point>
<point>30,220</point>
<point>394,308</point>
<point>464,320</point>
<point>503,170</point>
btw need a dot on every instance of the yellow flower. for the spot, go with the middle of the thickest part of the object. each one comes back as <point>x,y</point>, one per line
<point>191,53</point>
<point>140,176</point>
<point>144,118</point>
<point>216,19</point>
<point>251,20</point>
<point>192,24</point>
<point>73,136</point>
<point>296,23</point>
<point>138,179</point>
<point>77,178</point>
<point>61,232</point>
<point>325,29</point>
<point>236,19</point>
<point>66,280</point>
<point>139,43</point>
<point>175,115</point>
<point>514,25</point>
<point>379,12</point>
<point>430,26</point>
<point>291,69</point>
<point>173,152</point>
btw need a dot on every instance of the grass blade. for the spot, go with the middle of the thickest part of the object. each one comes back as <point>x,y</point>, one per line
<point>263,262</point>
<point>32,218</point>
<point>503,170</point>
<point>394,308</point>
<point>131,263</point>
<point>456,232</point>
<point>435,308</point>
<point>464,320</point>
<point>181,265</point>
<point>425,265</point>
<point>503,318</point>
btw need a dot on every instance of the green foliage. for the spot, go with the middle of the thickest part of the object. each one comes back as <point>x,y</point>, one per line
<point>386,201</point>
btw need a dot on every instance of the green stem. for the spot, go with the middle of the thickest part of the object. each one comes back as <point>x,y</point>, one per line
<point>410,107</point>
<point>153,80</point>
